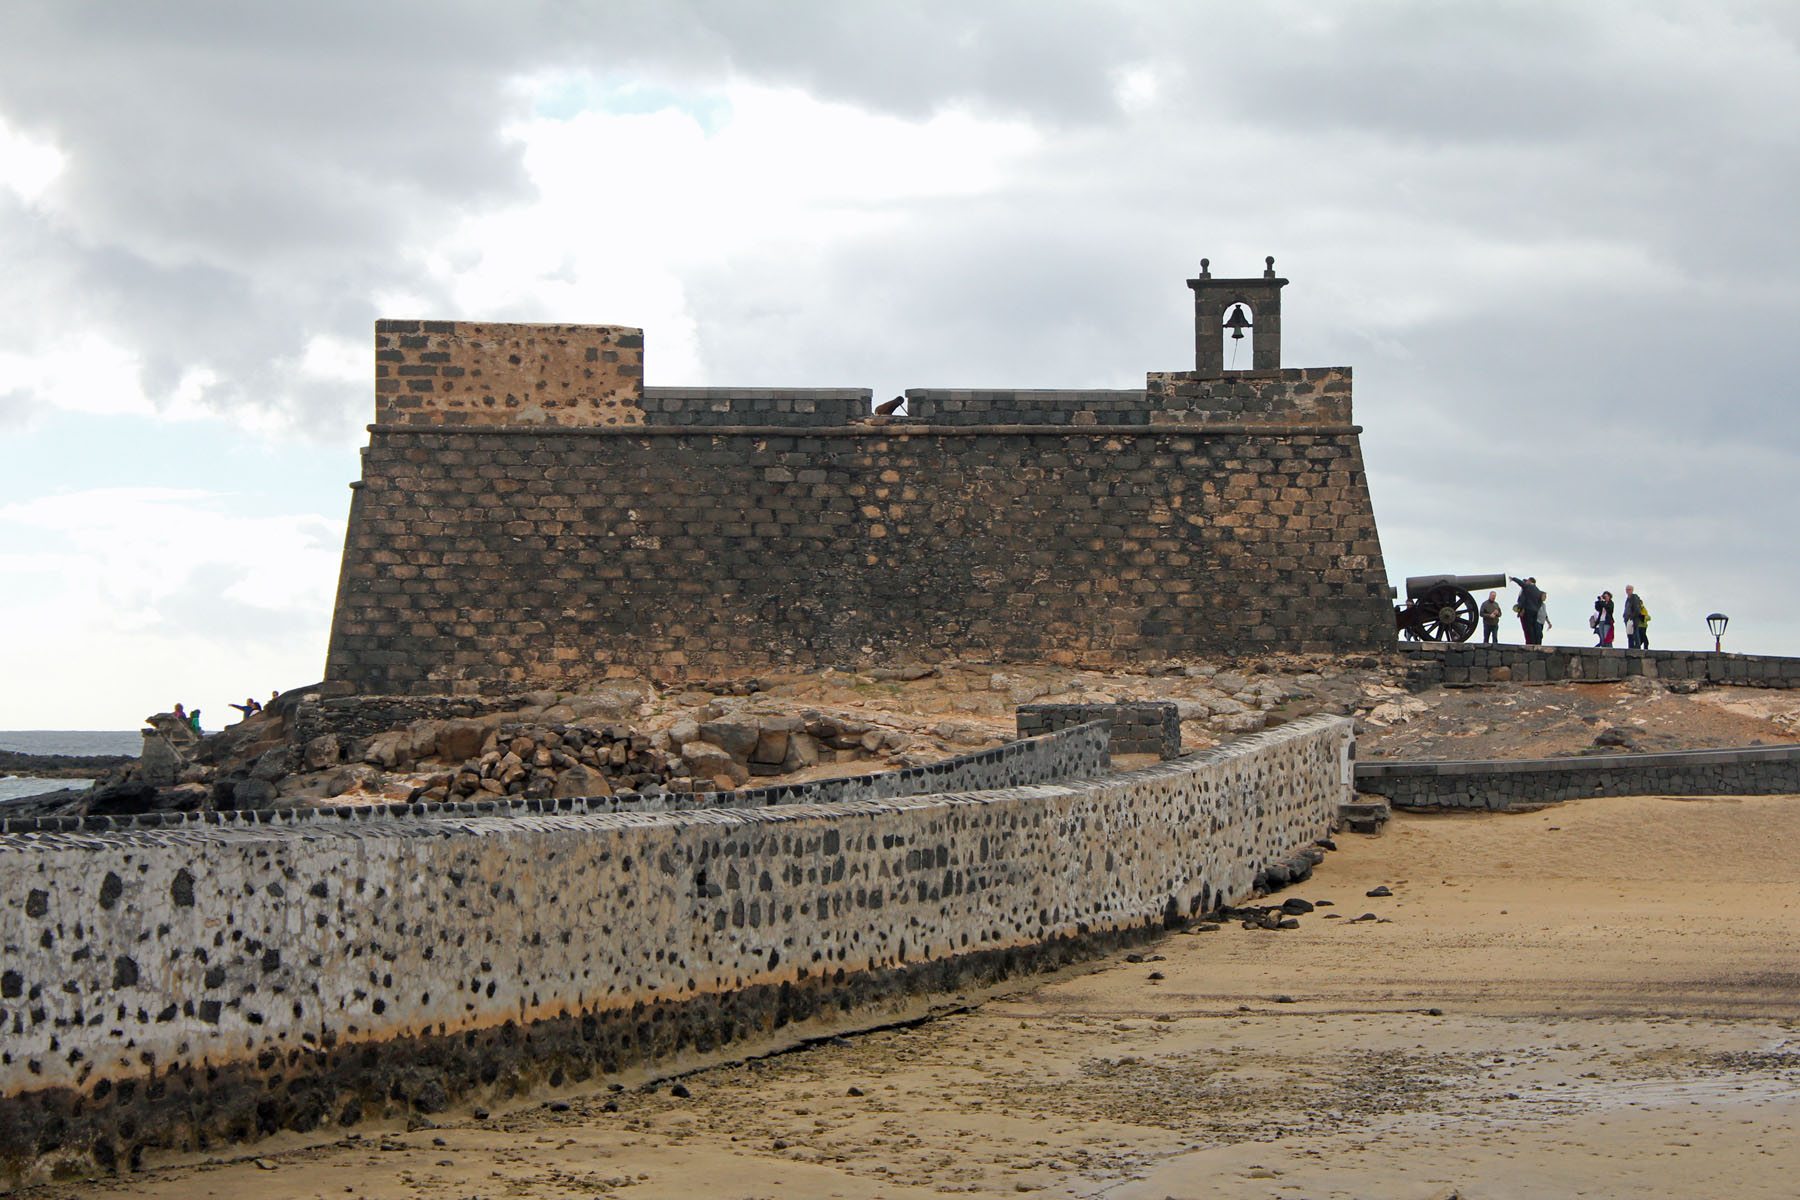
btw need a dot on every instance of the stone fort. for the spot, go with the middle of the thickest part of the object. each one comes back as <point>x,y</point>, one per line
<point>530,514</point>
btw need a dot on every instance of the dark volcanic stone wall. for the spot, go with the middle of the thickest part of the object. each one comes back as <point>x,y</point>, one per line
<point>806,407</point>
<point>487,558</point>
<point>1533,783</point>
<point>1028,406</point>
<point>1142,727</point>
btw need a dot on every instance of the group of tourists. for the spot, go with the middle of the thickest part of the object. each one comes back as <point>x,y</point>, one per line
<point>1534,616</point>
<point>250,707</point>
<point>1637,620</point>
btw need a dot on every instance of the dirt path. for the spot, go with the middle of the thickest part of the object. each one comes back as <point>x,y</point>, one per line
<point>1598,1000</point>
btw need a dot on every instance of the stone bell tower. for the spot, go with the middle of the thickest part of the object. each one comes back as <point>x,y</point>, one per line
<point>1214,301</point>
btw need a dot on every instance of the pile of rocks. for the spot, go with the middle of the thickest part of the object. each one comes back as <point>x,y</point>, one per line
<point>542,761</point>
<point>731,752</point>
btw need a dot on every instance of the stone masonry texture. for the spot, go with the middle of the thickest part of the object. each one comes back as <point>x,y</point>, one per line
<point>474,373</point>
<point>1533,783</point>
<point>489,559</point>
<point>1434,662</point>
<point>1145,727</point>
<point>171,987</point>
<point>530,515</point>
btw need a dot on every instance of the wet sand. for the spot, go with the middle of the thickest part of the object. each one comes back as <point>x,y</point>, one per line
<point>1595,1000</point>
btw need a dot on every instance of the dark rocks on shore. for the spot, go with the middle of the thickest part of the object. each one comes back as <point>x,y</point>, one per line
<point>61,766</point>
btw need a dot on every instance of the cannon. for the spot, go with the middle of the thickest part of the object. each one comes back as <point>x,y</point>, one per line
<point>1442,608</point>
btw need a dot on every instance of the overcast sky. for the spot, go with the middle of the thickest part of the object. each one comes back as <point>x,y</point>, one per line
<point>1557,242</point>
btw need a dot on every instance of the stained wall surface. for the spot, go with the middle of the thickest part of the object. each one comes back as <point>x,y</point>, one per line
<point>167,986</point>
<point>495,559</point>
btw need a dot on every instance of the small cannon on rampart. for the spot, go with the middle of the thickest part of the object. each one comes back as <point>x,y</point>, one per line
<point>1442,608</point>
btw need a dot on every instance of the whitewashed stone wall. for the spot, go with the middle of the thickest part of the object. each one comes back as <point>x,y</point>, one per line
<point>151,954</point>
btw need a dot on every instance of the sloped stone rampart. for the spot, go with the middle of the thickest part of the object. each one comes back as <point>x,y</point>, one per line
<point>171,987</point>
<point>498,560</point>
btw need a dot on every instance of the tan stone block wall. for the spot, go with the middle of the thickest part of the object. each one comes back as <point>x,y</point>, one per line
<point>1292,395</point>
<point>483,373</point>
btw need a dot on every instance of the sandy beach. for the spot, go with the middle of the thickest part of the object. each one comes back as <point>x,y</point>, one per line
<point>1594,1000</point>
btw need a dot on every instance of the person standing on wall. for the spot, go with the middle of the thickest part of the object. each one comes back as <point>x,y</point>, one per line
<point>1602,620</point>
<point>1531,609</point>
<point>1490,619</point>
<point>1637,620</point>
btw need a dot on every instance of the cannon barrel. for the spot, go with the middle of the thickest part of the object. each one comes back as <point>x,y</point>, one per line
<point>1418,585</point>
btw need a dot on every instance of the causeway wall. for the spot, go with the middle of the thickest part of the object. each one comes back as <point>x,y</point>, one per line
<point>173,987</point>
<point>1501,785</point>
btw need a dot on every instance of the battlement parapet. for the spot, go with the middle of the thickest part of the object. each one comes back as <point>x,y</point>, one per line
<point>739,406</point>
<point>1284,396</point>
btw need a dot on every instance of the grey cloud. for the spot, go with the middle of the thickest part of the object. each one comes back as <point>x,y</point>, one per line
<point>245,176</point>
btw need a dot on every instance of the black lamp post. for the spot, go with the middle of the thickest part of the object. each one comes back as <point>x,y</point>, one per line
<point>1715,623</point>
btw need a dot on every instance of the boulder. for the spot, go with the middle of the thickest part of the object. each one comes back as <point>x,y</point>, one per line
<point>421,739</point>
<point>388,750</point>
<point>158,765</point>
<point>771,747</point>
<point>611,703</point>
<point>736,740</point>
<point>118,798</point>
<point>459,740</point>
<point>322,752</point>
<point>580,781</point>
<point>802,752</point>
<point>254,794</point>
<point>273,764</point>
<point>707,761</point>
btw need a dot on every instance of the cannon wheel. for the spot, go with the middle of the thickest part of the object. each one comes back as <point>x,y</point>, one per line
<point>1447,613</point>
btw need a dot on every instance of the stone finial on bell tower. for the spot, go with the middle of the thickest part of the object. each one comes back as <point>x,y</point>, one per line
<point>1253,304</point>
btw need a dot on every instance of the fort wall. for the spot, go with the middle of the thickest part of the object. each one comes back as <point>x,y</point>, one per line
<point>532,516</point>
<point>500,558</point>
<point>167,987</point>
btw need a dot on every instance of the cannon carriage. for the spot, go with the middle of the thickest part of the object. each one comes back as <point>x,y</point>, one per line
<point>1442,608</point>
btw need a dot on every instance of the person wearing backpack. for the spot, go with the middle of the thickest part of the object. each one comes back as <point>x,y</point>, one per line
<point>1637,621</point>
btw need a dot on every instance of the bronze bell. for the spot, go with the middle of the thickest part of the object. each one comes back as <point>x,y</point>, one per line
<point>1237,322</point>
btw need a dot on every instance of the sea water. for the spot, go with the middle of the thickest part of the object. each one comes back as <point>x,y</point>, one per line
<point>61,741</point>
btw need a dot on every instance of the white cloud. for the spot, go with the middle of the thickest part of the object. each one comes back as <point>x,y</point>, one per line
<point>27,167</point>
<point>154,593</point>
<point>629,207</point>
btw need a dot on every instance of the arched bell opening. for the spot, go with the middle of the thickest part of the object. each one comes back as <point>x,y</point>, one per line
<point>1238,329</point>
